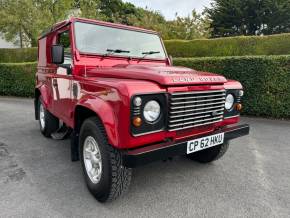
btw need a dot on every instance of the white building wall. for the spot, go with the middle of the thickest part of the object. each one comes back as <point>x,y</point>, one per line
<point>5,44</point>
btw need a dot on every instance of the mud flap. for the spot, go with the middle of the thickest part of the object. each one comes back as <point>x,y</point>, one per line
<point>36,109</point>
<point>74,143</point>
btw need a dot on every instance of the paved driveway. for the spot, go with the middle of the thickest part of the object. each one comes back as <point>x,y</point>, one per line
<point>37,178</point>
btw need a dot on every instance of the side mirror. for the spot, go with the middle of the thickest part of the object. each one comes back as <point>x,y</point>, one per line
<point>57,54</point>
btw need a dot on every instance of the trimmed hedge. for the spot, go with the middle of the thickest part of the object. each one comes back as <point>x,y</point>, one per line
<point>18,55</point>
<point>230,46</point>
<point>266,80</point>
<point>17,79</point>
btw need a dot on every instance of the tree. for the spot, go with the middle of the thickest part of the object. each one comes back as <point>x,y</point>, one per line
<point>55,10</point>
<point>149,20</point>
<point>22,21</point>
<point>190,27</point>
<point>88,9</point>
<point>248,17</point>
<point>117,11</point>
<point>277,17</point>
<point>19,21</point>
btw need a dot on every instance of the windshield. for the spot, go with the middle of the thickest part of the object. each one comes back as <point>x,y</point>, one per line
<point>96,39</point>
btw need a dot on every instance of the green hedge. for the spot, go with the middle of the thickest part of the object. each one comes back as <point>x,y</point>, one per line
<point>18,55</point>
<point>17,79</point>
<point>266,80</point>
<point>231,46</point>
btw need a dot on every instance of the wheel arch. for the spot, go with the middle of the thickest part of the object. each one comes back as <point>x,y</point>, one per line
<point>42,91</point>
<point>104,113</point>
<point>81,113</point>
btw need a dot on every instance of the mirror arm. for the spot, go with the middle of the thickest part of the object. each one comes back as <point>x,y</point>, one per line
<point>170,59</point>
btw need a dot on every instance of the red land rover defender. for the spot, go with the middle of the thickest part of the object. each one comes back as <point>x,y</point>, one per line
<point>113,90</point>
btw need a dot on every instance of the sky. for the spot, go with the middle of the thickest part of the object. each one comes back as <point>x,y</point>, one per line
<point>169,7</point>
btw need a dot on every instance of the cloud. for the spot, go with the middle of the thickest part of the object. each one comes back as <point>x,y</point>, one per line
<point>169,7</point>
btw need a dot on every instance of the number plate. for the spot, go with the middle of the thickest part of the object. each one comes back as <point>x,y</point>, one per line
<point>205,142</point>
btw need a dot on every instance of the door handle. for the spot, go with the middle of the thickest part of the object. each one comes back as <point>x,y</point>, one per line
<point>54,83</point>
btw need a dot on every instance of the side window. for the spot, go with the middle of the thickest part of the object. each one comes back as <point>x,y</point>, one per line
<point>63,39</point>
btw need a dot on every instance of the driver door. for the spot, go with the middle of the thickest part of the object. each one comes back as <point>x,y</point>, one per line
<point>62,80</point>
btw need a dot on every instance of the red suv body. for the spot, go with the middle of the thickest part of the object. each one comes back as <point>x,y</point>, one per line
<point>147,109</point>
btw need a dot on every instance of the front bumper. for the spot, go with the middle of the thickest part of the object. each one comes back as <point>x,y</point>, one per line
<point>162,151</point>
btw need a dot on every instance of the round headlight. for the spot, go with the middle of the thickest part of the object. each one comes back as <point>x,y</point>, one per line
<point>229,101</point>
<point>151,111</point>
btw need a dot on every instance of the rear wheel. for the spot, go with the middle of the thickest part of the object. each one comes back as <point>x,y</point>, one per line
<point>104,173</point>
<point>210,154</point>
<point>48,123</point>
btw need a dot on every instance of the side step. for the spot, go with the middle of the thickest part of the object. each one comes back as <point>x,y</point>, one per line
<point>62,133</point>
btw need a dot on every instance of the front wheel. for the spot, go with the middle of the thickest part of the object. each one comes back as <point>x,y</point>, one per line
<point>210,154</point>
<point>104,173</point>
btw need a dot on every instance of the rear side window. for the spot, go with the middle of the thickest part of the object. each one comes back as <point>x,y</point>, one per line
<point>42,55</point>
<point>64,40</point>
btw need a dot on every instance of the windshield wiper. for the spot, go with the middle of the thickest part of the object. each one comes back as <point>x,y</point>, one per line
<point>148,53</point>
<point>112,51</point>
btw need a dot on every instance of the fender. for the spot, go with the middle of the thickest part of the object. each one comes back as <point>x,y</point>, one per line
<point>44,92</point>
<point>106,114</point>
<point>233,84</point>
<point>40,90</point>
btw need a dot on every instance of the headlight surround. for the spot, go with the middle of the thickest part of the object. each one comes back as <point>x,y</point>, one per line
<point>230,100</point>
<point>152,111</point>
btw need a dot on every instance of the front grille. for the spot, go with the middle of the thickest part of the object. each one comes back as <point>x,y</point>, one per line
<point>192,109</point>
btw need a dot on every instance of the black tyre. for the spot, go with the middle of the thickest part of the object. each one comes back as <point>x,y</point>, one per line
<point>104,173</point>
<point>210,154</point>
<point>48,123</point>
